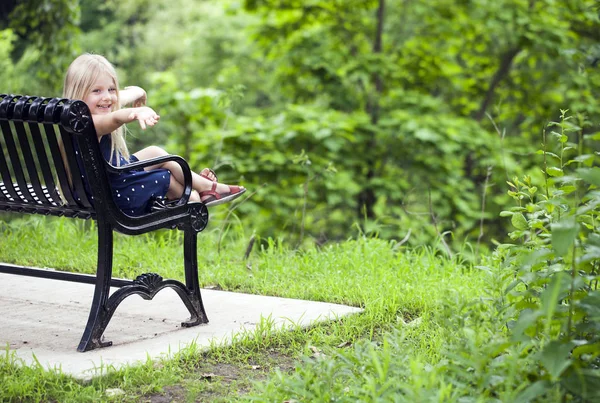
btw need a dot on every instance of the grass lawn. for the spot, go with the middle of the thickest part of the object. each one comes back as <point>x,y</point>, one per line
<point>427,333</point>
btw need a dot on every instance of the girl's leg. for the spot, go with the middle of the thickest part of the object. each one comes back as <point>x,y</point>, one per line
<point>176,190</point>
<point>199,183</point>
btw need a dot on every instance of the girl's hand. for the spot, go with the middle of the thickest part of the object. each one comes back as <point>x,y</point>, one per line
<point>145,116</point>
<point>136,96</point>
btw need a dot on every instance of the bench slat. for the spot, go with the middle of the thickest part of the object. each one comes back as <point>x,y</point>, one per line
<point>34,180</point>
<point>17,170</point>
<point>4,169</point>
<point>5,175</point>
<point>13,154</point>
<point>76,174</point>
<point>59,165</point>
<point>36,135</point>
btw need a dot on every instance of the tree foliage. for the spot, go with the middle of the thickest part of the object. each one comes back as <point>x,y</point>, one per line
<point>39,34</point>
<point>472,57</point>
<point>397,116</point>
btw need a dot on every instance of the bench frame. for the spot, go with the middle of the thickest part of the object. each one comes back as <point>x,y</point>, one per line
<point>33,170</point>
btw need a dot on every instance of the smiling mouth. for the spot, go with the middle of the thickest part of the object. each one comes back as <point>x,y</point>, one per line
<point>105,107</point>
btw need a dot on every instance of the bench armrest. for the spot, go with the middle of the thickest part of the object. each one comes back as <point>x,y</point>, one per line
<point>187,173</point>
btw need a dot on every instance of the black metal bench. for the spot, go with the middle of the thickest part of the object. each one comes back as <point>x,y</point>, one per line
<point>34,179</point>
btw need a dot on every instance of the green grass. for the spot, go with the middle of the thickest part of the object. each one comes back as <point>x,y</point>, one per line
<point>428,322</point>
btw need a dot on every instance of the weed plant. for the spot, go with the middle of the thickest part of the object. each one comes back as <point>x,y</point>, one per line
<point>553,301</point>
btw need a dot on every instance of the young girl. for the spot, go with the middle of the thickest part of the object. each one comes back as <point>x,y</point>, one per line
<point>93,79</point>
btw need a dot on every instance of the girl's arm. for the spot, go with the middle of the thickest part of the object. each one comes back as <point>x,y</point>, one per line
<point>107,123</point>
<point>136,96</point>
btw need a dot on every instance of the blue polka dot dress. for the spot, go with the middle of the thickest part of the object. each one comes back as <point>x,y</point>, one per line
<point>134,191</point>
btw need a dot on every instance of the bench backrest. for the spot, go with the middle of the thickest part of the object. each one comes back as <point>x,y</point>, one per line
<point>40,169</point>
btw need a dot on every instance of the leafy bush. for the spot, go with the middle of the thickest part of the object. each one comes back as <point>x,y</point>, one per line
<point>313,164</point>
<point>554,297</point>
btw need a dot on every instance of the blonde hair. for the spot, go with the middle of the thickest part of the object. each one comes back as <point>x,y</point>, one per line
<point>81,75</point>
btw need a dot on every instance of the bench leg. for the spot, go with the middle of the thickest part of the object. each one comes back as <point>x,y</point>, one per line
<point>146,285</point>
<point>99,318</point>
<point>190,256</point>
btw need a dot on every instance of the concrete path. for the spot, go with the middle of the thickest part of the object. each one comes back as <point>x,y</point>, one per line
<point>46,318</point>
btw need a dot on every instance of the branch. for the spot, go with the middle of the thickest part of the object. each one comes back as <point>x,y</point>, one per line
<point>592,33</point>
<point>440,235</point>
<point>484,191</point>
<point>366,197</point>
<point>503,70</point>
<point>377,48</point>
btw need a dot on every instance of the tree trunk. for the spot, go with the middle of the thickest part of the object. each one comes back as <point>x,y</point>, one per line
<point>367,198</point>
<point>505,64</point>
<point>503,70</point>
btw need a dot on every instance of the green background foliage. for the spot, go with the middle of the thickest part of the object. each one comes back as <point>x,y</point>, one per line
<point>390,118</point>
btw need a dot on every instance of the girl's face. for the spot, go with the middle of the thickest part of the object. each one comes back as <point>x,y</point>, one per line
<point>102,95</point>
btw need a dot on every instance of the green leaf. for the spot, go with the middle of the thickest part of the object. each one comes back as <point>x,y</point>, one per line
<point>590,175</point>
<point>584,383</point>
<point>555,357</point>
<point>552,294</point>
<point>512,285</point>
<point>527,318</point>
<point>586,159</point>
<point>536,256</point>
<point>554,171</point>
<point>425,134</point>
<point>519,221</point>
<point>532,391</point>
<point>591,305</point>
<point>592,349</point>
<point>563,235</point>
<point>553,155</point>
<point>567,189</point>
<point>593,136</point>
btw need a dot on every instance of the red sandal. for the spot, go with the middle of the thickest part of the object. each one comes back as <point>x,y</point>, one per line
<point>213,198</point>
